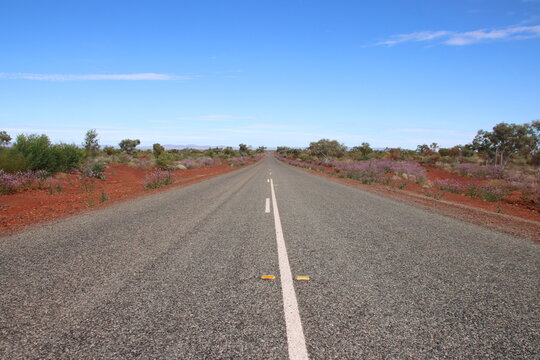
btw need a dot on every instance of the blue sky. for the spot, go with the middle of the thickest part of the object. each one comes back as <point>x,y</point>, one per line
<point>392,73</point>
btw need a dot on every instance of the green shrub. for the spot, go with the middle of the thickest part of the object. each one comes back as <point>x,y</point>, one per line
<point>305,157</point>
<point>110,150</point>
<point>67,157</point>
<point>164,160</point>
<point>472,191</point>
<point>493,192</point>
<point>103,197</point>
<point>40,154</point>
<point>158,179</point>
<point>122,158</point>
<point>95,170</point>
<point>37,151</point>
<point>12,161</point>
<point>158,149</point>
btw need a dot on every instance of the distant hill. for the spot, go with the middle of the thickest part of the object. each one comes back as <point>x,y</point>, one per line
<point>188,146</point>
<point>198,147</point>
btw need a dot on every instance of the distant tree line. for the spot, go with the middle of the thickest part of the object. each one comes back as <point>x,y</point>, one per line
<point>37,152</point>
<point>496,147</point>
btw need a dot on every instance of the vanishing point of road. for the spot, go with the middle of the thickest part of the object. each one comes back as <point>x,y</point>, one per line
<point>176,275</point>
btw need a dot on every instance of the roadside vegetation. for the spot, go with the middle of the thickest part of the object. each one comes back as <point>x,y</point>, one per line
<point>41,180</point>
<point>30,162</point>
<point>496,166</point>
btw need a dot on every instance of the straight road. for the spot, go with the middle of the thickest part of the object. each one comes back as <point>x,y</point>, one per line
<point>176,275</point>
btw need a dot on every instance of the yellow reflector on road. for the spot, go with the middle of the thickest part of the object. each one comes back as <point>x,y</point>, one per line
<point>268,277</point>
<point>304,278</point>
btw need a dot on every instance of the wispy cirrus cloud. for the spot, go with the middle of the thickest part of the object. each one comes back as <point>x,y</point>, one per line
<point>516,32</point>
<point>84,77</point>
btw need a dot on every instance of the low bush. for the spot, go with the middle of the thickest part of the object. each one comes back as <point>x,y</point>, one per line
<point>449,185</point>
<point>239,161</point>
<point>110,150</point>
<point>482,172</point>
<point>21,180</point>
<point>197,163</point>
<point>375,170</point>
<point>471,190</point>
<point>103,197</point>
<point>493,192</point>
<point>142,162</point>
<point>95,170</point>
<point>157,179</point>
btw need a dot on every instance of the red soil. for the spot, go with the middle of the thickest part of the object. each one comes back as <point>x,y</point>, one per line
<point>73,197</point>
<point>511,205</point>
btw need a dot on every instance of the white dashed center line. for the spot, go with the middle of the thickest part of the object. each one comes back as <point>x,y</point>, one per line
<point>267,206</point>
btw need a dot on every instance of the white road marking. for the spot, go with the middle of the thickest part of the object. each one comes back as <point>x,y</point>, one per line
<point>267,206</point>
<point>267,180</point>
<point>295,332</point>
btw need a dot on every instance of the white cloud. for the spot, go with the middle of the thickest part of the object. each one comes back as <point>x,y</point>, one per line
<point>83,77</point>
<point>511,33</point>
<point>416,36</point>
<point>516,32</point>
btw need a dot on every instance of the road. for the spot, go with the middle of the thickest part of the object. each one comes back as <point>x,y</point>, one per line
<point>176,275</point>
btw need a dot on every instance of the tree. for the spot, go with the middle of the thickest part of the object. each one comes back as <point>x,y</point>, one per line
<point>244,149</point>
<point>282,150</point>
<point>228,152</point>
<point>294,153</point>
<point>364,149</point>
<point>260,149</point>
<point>128,145</point>
<point>91,142</point>
<point>5,139</point>
<point>327,148</point>
<point>211,152</point>
<point>505,140</point>
<point>423,149</point>
<point>109,150</point>
<point>158,150</point>
<point>535,127</point>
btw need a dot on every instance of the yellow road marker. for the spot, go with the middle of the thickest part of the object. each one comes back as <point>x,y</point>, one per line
<point>303,278</point>
<point>268,277</point>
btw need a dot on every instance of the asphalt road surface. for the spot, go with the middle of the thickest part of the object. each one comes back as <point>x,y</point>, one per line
<point>176,275</point>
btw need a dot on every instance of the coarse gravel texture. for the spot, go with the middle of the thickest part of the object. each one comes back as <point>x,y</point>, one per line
<point>175,275</point>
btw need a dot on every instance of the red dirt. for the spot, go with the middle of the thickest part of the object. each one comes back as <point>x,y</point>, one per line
<point>510,205</point>
<point>121,183</point>
<point>503,216</point>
